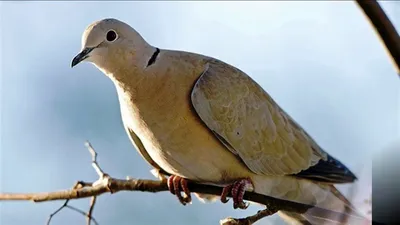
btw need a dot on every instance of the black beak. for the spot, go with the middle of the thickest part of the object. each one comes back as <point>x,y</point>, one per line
<point>81,56</point>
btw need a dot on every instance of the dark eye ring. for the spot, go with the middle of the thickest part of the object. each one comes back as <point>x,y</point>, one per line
<point>111,36</point>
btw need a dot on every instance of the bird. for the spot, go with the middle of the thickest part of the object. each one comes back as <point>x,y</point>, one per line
<point>196,118</point>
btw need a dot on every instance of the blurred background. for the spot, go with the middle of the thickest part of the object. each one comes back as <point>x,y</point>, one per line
<point>321,61</point>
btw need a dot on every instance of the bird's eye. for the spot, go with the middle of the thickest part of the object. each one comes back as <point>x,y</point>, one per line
<point>111,36</point>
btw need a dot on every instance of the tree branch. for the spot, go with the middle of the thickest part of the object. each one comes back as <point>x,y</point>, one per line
<point>107,184</point>
<point>384,28</point>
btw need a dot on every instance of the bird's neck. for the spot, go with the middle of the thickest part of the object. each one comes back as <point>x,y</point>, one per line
<point>128,70</point>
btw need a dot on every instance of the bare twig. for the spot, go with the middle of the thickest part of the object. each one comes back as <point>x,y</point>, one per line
<point>57,211</point>
<point>82,184</point>
<point>89,215</point>
<point>250,219</point>
<point>95,165</point>
<point>107,184</point>
<point>384,27</point>
<point>78,185</point>
<point>65,205</point>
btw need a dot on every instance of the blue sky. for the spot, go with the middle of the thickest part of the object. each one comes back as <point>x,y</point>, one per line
<point>321,61</point>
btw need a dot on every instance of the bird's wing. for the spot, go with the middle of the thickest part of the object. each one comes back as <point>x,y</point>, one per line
<point>249,122</point>
<point>137,143</point>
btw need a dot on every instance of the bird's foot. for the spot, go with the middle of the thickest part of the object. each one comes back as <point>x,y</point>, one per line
<point>176,185</point>
<point>237,189</point>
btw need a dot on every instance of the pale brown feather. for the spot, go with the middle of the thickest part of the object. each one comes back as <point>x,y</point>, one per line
<point>235,107</point>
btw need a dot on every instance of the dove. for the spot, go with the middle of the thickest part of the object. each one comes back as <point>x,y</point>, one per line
<point>194,117</point>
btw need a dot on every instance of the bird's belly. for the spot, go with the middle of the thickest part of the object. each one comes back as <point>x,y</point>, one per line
<point>185,147</point>
<point>195,154</point>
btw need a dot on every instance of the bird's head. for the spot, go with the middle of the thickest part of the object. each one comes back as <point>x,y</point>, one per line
<point>108,43</point>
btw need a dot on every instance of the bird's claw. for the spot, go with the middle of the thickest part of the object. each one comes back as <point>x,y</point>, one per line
<point>176,185</point>
<point>225,191</point>
<point>237,189</point>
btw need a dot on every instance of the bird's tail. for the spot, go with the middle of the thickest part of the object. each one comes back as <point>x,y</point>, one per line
<point>329,206</point>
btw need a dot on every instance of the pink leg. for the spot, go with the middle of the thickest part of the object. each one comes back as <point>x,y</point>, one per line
<point>237,189</point>
<point>225,193</point>
<point>170,184</point>
<point>176,185</point>
<point>185,190</point>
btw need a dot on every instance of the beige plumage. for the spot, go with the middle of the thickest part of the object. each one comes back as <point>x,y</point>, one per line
<point>201,119</point>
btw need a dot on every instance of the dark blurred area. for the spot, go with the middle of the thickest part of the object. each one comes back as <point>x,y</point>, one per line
<point>386,185</point>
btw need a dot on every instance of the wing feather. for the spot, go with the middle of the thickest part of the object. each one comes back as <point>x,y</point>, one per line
<point>249,122</point>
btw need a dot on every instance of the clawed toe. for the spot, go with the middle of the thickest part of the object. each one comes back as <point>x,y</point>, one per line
<point>176,185</point>
<point>237,189</point>
<point>225,193</point>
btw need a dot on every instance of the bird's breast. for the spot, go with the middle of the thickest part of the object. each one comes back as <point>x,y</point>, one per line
<point>175,138</point>
<point>160,119</point>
